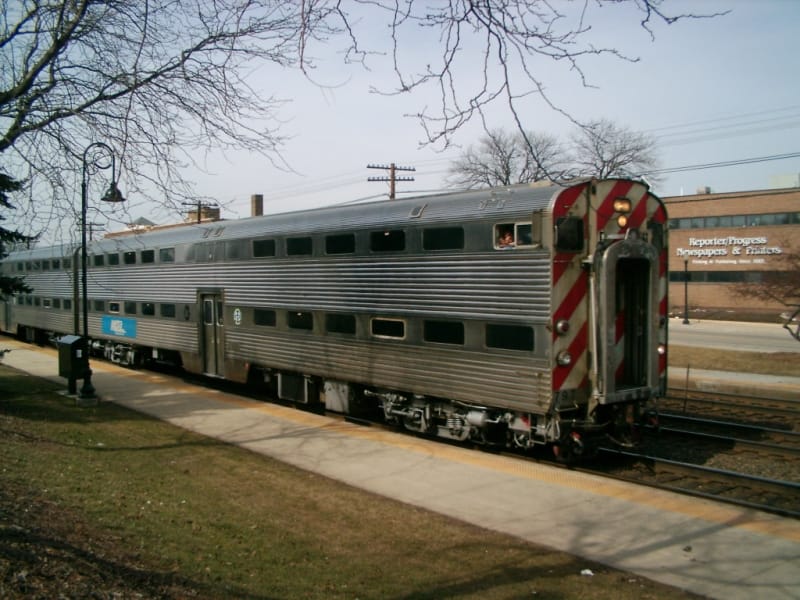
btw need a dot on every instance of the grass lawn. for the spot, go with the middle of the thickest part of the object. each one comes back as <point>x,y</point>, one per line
<point>104,502</point>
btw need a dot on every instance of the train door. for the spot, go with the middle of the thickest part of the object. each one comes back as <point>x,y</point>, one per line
<point>628,321</point>
<point>212,335</point>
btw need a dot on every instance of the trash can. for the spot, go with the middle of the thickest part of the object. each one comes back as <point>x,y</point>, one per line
<point>73,358</point>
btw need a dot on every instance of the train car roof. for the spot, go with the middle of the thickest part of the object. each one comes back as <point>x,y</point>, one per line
<point>512,202</point>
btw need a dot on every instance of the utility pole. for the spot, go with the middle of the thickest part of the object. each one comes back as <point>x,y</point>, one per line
<point>392,178</point>
<point>201,207</point>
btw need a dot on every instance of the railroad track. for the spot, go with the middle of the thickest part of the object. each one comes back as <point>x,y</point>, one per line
<point>762,493</point>
<point>773,443</point>
<point>769,412</point>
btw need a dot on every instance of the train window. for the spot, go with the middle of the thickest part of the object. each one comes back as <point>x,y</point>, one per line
<point>20,266</point>
<point>569,234</point>
<point>393,328</point>
<point>37,301</point>
<point>56,302</point>
<point>148,256</point>
<point>129,258</point>
<point>443,332</point>
<point>235,249</point>
<point>45,265</point>
<point>99,260</point>
<point>338,323</point>
<point>166,255</point>
<point>167,310</point>
<point>47,303</point>
<point>300,320</point>
<point>263,248</point>
<point>443,238</point>
<point>113,259</point>
<point>67,263</point>
<point>29,300</point>
<point>340,244</point>
<point>387,241</point>
<point>504,236</point>
<point>524,234</point>
<point>509,337</point>
<point>130,308</point>
<point>148,309</point>
<point>264,317</point>
<point>300,246</point>
<point>113,307</point>
<point>67,304</point>
<point>100,305</point>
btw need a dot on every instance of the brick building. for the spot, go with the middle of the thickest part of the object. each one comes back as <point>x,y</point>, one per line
<point>721,241</point>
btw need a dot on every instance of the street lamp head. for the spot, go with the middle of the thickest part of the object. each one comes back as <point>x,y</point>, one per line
<point>113,194</point>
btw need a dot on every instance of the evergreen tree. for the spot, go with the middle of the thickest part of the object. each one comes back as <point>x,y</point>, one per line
<point>10,285</point>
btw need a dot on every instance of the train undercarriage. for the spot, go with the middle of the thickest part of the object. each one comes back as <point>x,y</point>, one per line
<point>570,431</point>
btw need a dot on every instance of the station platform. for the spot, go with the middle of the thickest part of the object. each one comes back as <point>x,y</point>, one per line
<point>707,548</point>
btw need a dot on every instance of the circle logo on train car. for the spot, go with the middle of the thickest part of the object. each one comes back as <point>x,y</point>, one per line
<point>237,316</point>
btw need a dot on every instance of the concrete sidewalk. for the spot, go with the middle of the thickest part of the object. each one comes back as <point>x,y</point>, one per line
<point>704,547</point>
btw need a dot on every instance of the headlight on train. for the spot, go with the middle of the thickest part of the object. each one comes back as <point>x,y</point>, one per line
<point>564,358</point>
<point>622,205</point>
<point>661,349</point>
<point>622,221</point>
<point>562,326</point>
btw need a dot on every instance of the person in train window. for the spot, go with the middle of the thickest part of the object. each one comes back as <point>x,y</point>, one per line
<point>506,239</point>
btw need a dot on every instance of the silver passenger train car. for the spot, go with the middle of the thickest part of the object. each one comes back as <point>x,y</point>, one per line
<point>516,316</point>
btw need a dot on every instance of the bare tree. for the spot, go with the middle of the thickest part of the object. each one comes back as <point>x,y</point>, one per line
<point>503,158</point>
<point>604,149</point>
<point>161,80</point>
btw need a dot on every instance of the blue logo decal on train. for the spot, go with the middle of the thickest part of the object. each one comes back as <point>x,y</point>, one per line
<point>119,326</point>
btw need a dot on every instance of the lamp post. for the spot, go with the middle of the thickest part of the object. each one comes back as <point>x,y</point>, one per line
<point>686,291</point>
<point>112,195</point>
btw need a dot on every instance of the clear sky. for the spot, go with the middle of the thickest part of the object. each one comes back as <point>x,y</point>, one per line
<point>712,91</point>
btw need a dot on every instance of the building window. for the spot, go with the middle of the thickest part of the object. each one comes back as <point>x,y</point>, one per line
<point>391,328</point>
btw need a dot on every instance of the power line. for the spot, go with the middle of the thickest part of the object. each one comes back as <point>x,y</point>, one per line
<point>728,163</point>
